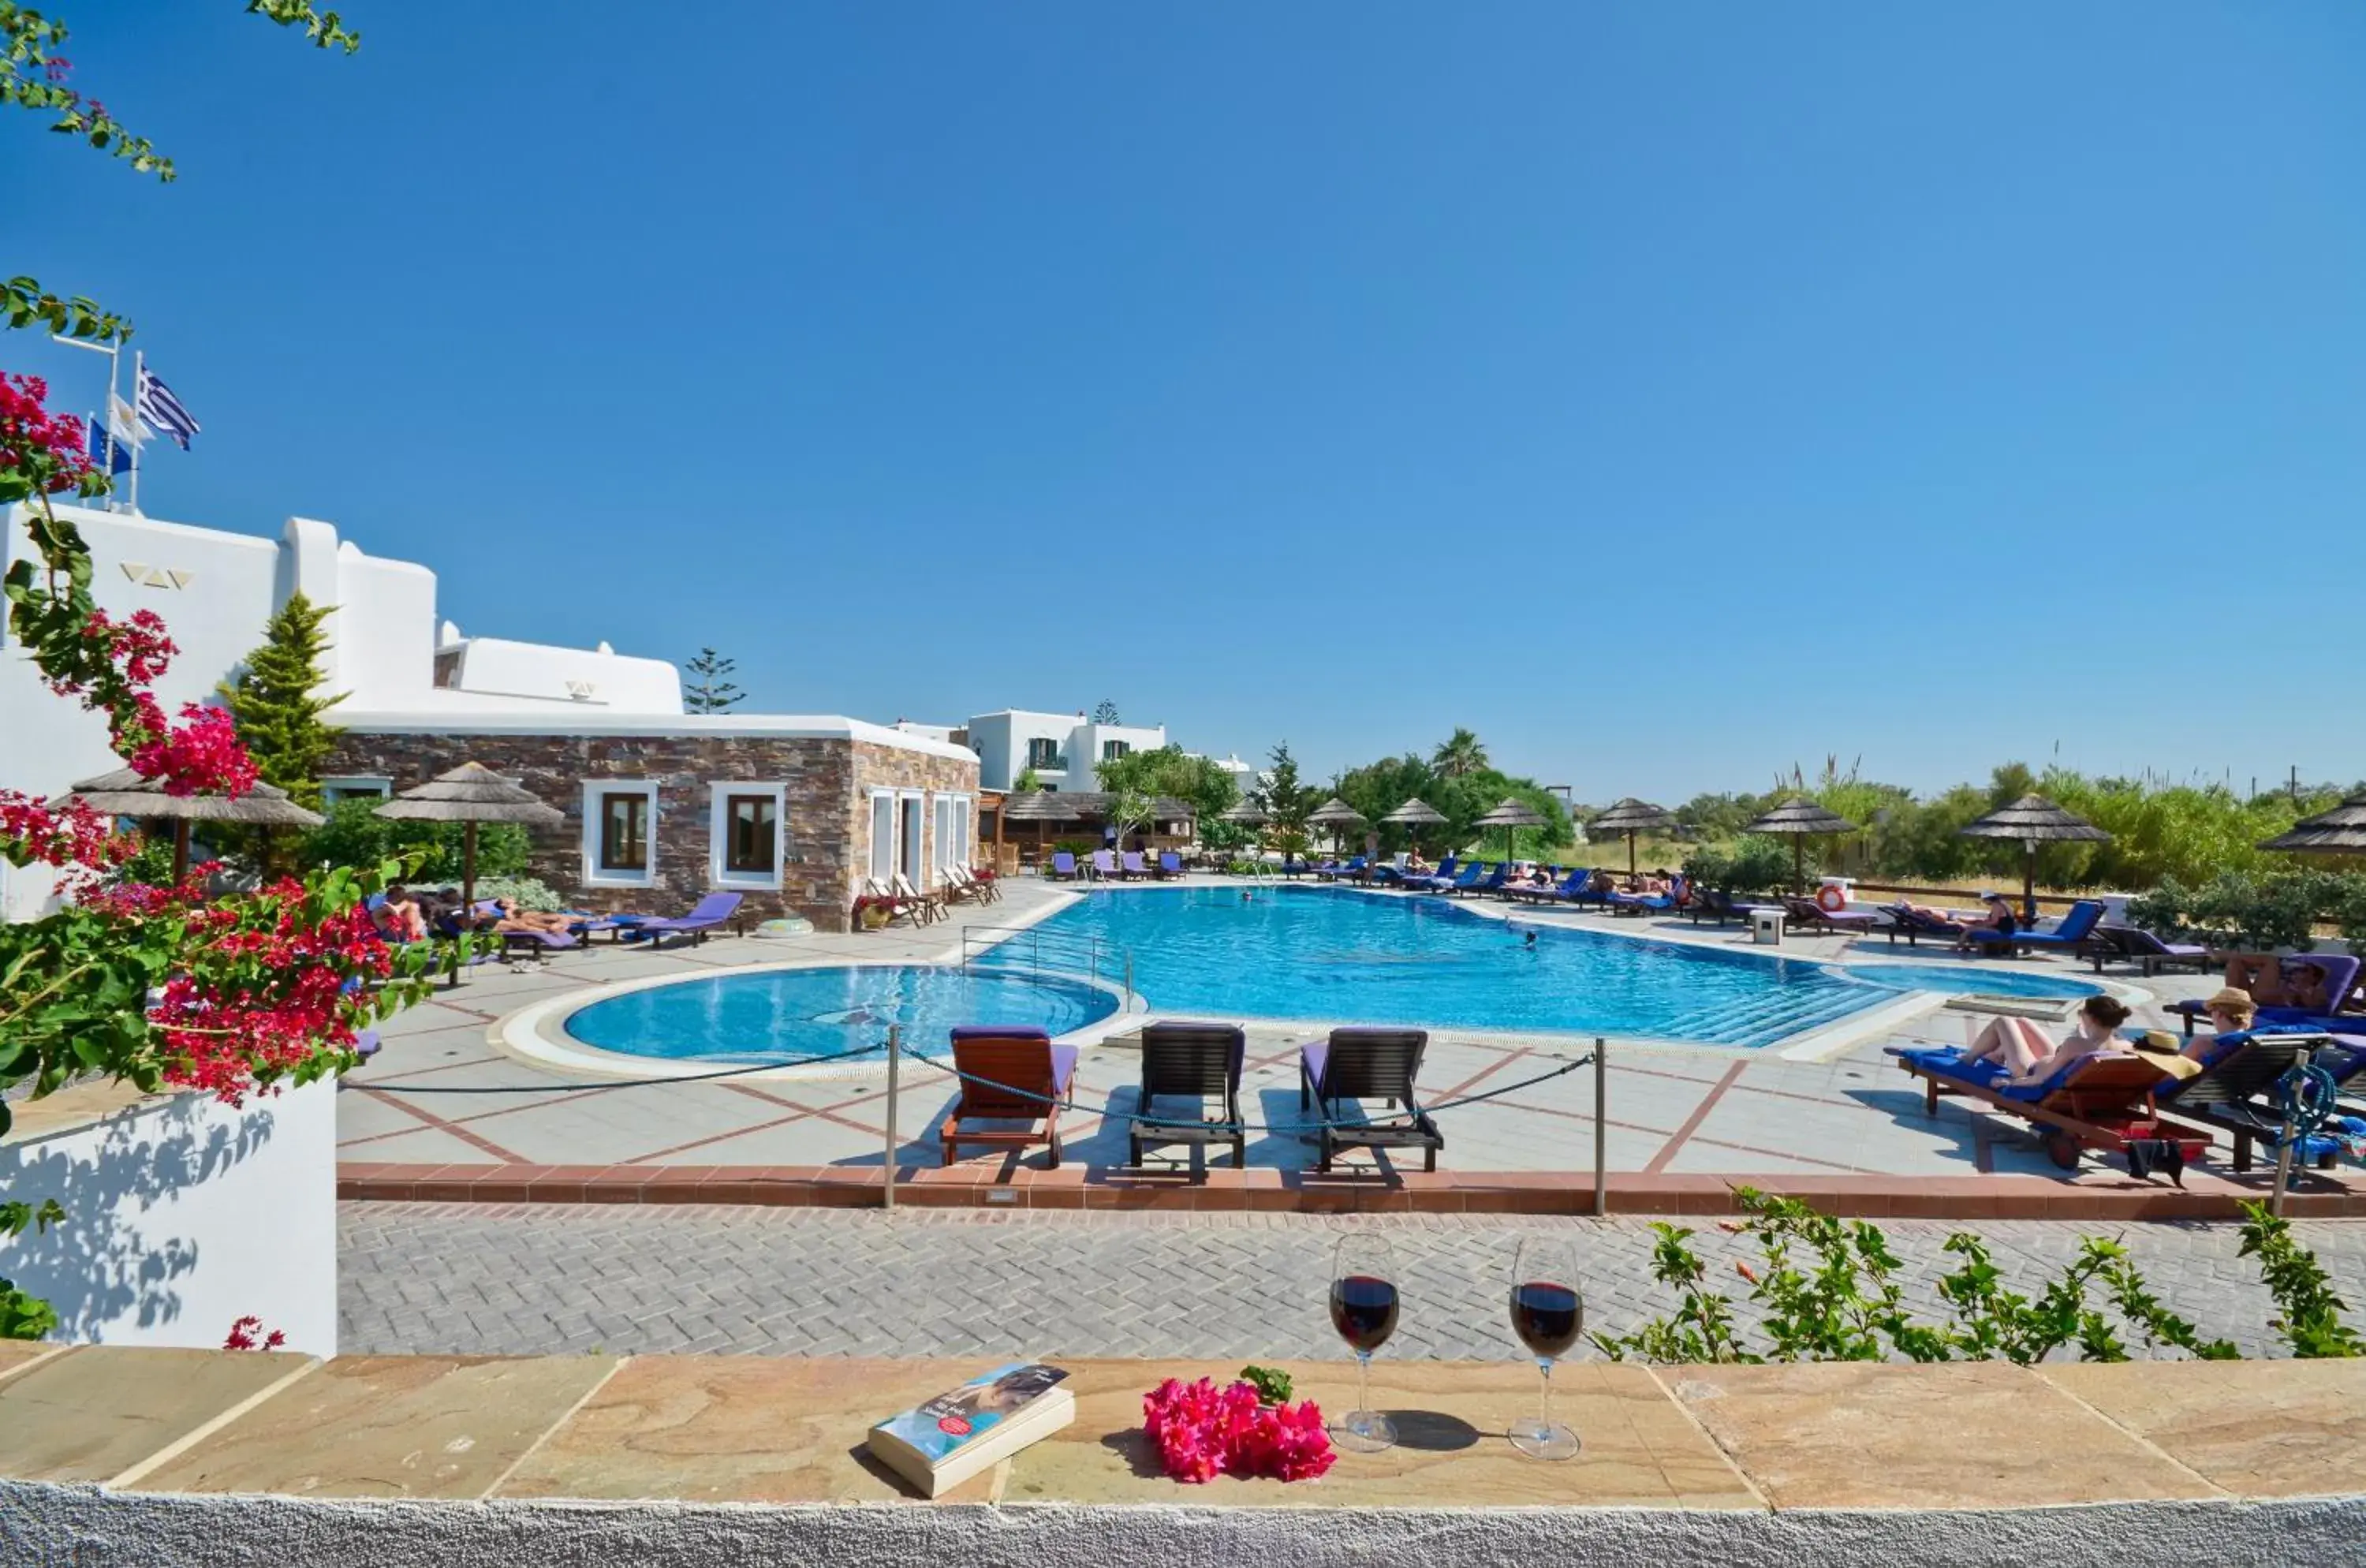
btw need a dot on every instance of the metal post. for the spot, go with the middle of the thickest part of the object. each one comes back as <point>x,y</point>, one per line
<point>1600,1152</point>
<point>895,1042</point>
<point>2288,1136</point>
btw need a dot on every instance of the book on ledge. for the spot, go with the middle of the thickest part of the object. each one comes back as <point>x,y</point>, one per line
<point>939,1445</point>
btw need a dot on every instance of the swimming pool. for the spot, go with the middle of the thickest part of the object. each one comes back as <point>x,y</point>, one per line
<point>794,1015</point>
<point>1958,980</point>
<point>1338,953</point>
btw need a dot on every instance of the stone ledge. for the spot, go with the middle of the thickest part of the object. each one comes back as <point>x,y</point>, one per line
<point>2089,1196</point>
<point>459,1460</point>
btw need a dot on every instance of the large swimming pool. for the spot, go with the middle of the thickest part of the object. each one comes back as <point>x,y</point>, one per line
<point>1337,953</point>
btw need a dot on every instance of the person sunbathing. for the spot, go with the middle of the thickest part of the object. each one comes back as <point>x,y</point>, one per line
<point>512,918</point>
<point>2027,1056</point>
<point>398,916</point>
<point>2271,981</point>
<point>1996,916</point>
<point>2230,1011</point>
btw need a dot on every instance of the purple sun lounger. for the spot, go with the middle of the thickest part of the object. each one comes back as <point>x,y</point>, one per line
<point>711,912</point>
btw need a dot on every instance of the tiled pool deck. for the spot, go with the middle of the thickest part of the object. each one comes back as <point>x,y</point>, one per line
<point>1831,1110</point>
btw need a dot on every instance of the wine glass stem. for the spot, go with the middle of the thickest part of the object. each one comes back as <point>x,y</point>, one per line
<point>1544,1401</point>
<point>1363,1380</point>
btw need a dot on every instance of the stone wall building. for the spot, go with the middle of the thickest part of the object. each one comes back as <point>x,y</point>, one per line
<point>794,813</point>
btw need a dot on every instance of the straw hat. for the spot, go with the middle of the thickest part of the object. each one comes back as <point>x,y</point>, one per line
<point>2231,999</point>
<point>2161,1048</point>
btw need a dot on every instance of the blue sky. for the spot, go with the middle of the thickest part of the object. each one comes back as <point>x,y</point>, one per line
<point>1668,393</point>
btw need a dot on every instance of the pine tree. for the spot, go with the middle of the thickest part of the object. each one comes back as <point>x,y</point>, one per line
<point>710,689</point>
<point>1105,713</point>
<point>276,705</point>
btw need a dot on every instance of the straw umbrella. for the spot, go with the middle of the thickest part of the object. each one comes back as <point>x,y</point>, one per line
<point>1246,814</point>
<point>1631,816</point>
<point>1039,807</point>
<point>1801,819</point>
<point>2340,831</point>
<point>2034,820</point>
<point>470,793</point>
<point>1336,815</point>
<point>125,794</point>
<point>1416,814</point>
<point>1514,813</point>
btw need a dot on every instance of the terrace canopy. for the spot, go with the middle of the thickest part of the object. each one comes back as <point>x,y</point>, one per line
<point>1514,813</point>
<point>2034,820</point>
<point>125,794</point>
<point>471,793</point>
<point>1631,816</point>
<point>1801,819</point>
<point>2340,831</point>
<point>1039,807</point>
<point>1336,815</point>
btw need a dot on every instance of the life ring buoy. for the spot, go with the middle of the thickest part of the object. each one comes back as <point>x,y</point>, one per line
<point>1830,899</point>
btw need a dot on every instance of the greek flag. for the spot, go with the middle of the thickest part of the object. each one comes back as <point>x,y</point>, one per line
<point>106,453</point>
<point>162,409</point>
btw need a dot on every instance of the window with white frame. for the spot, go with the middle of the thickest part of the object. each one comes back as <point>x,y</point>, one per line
<point>883,834</point>
<point>952,832</point>
<point>744,832</point>
<point>620,833</point>
<point>911,806</point>
<point>1112,749</point>
<point>354,788</point>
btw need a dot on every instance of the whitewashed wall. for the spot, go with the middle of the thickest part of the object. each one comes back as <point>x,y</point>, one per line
<point>183,1216</point>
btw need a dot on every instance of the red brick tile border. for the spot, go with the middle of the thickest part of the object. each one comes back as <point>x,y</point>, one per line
<point>994,1183</point>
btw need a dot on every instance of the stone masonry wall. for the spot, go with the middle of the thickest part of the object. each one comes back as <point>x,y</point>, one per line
<point>825,805</point>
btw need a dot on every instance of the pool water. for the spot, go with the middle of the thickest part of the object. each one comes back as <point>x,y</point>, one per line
<point>1957,979</point>
<point>1336,953</point>
<point>795,1015</point>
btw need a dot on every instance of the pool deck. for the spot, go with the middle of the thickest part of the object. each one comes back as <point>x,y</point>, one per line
<point>1825,1111</point>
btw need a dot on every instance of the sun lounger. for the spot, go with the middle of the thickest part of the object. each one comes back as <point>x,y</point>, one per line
<point>1367,1064</point>
<point>2066,935</point>
<point>1806,912</point>
<point>2340,975</point>
<point>2236,1091</point>
<point>2130,944</point>
<point>1649,903</point>
<point>1197,1062</point>
<point>1913,925</point>
<point>1105,866</point>
<point>1436,880</point>
<point>1064,867</point>
<point>1010,1074</point>
<point>1560,892</point>
<point>709,912</point>
<point>1714,904</point>
<point>1170,864</point>
<point>1485,881</point>
<point>2105,1101</point>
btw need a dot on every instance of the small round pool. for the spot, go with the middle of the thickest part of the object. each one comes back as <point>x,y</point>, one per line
<point>1962,980</point>
<point>798,1015</point>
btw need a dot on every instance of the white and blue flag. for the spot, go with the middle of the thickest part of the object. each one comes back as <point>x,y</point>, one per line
<point>162,409</point>
<point>106,453</point>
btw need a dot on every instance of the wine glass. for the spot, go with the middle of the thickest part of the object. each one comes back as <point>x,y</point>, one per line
<point>1364,1310</point>
<point>1548,1313</point>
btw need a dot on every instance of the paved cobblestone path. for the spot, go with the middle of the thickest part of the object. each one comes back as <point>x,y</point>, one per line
<point>421,1278</point>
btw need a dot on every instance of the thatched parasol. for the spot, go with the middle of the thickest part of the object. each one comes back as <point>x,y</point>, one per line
<point>1039,807</point>
<point>1631,816</point>
<point>1416,814</point>
<point>1802,819</point>
<point>470,793</point>
<point>1514,813</point>
<point>2340,831</point>
<point>1336,815</point>
<point>2034,820</point>
<point>125,794</point>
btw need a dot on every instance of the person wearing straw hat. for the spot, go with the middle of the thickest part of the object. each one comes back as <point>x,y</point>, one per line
<point>2230,1011</point>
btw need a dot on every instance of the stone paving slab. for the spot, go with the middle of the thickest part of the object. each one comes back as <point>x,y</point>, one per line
<point>537,1279</point>
<point>92,1414</point>
<point>2205,1415</point>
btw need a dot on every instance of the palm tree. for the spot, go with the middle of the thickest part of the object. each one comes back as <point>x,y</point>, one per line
<point>1459,754</point>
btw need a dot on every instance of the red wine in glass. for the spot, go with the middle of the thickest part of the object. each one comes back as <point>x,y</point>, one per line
<point>1546,1317</point>
<point>1364,1310</point>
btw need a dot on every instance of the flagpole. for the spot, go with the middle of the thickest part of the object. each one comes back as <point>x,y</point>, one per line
<point>113,349</point>
<point>138,367</point>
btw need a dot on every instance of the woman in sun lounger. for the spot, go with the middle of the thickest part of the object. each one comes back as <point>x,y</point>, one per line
<point>1996,916</point>
<point>2230,1011</point>
<point>2272,981</point>
<point>2023,1049</point>
<point>514,918</point>
<point>398,916</point>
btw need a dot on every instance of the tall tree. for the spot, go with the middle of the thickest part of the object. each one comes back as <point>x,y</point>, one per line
<point>709,688</point>
<point>1286,801</point>
<point>1105,712</point>
<point>1458,754</point>
<point>276,703</point>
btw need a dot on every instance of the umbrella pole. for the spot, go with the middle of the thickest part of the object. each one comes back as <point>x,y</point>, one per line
<point>2029,883</point>
<point>180,849</point>
<point>1630,854</point>
<point>1799,862</point>
<point>469,868</point>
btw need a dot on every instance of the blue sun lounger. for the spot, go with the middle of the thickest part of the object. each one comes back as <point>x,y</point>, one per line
<point>711,912</point>
<point>2068,935</point>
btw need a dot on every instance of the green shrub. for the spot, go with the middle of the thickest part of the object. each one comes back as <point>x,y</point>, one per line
<point>355,835</point>
<point>526,892</point>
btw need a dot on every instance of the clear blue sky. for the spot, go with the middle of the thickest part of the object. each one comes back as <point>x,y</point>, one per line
<point>1669,393</point>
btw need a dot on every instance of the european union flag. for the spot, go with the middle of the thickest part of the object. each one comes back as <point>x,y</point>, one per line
<point>104,450</point>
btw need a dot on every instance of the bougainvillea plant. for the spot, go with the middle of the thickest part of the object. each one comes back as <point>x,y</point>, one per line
<point>162,986</point>
<point>248,1334</point>
<point>1201,1431</point>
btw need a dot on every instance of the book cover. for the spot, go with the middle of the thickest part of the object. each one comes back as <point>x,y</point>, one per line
<point>945,1425</point>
